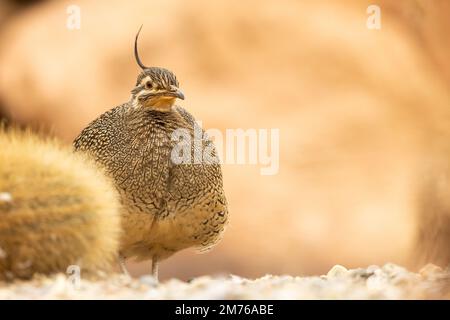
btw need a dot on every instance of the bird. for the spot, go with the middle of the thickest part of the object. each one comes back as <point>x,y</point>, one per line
<point>167,206</point>
<point>57,209</point>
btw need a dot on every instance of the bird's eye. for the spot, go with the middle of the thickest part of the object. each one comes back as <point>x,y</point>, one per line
<point>148,85</point>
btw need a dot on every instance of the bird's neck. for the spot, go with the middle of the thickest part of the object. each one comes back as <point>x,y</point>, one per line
<point>164,104</point>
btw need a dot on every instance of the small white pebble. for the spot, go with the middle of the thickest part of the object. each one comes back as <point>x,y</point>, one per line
<point>376,283</point>
<point>372,268</point>
<point>236,279</point>
<point>149,281</point>
<point>337,271</point>
<point>5,197</point>
<point>390,268</point>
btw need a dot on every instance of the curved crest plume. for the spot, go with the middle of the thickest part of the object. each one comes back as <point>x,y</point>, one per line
<point>136,54</point>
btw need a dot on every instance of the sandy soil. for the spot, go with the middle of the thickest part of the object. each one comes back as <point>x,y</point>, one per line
<point>387,282</point>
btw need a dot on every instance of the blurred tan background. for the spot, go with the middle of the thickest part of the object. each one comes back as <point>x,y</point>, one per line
<point>359,111</point>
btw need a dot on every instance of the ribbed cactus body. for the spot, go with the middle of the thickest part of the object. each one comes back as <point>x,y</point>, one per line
<point>56,209</point>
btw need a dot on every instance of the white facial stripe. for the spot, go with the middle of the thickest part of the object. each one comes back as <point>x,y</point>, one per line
<point>144,81</point>
<point>165,82</point>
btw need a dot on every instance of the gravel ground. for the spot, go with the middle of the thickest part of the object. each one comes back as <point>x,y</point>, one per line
<point>387,282</point>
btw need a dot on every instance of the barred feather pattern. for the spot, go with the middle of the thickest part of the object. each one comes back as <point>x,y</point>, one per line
<point>167,207</point>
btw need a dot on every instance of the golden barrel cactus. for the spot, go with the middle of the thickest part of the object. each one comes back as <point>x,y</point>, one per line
<point>56,209</point>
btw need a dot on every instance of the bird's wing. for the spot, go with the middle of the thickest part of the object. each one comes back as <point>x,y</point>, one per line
<point>99,130</point>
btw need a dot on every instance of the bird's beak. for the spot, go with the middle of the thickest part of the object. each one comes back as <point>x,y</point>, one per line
<point>175,92</point>
<point>179,94</point>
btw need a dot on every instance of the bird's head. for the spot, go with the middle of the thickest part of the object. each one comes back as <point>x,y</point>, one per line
<point>156,88</point>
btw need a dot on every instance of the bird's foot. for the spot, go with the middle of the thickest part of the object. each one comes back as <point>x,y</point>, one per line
<point>123,267</point>
<point>155,268</point>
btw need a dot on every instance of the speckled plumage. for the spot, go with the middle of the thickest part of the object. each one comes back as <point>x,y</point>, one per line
<point>167,207</point>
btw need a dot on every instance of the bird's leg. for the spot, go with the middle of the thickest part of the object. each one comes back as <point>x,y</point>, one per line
<point>123,267</point>
<point>155,268</point>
